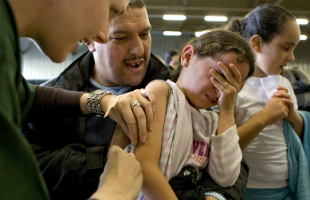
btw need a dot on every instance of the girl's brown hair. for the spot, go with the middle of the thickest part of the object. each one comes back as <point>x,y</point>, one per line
<point>217,42</point>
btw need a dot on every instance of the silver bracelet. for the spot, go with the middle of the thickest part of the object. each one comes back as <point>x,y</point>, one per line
<point>94,99</point>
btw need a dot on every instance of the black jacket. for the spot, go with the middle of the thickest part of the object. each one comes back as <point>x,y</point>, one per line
<point>71,167</point>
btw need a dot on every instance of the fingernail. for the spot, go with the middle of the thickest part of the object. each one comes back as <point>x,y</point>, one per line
<point>142,92</point>
<point>144,139</point>
<point>151,126</point>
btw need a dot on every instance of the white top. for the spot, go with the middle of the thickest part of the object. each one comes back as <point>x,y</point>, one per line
<point>189,139</point>
<point>266,155</point>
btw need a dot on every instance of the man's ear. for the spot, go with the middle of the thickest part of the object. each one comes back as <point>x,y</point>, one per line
<point>92,47</point>
<point>187,54</point>
<point>256,43</point>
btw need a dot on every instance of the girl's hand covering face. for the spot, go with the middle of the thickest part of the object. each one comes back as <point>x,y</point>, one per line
<point>227,84</point>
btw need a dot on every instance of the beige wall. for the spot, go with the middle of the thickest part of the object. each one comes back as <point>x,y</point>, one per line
<point>37,66</point>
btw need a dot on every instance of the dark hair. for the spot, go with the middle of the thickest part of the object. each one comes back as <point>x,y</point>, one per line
<point>266,20</point>
<point>169,55</point>
<point>217,42</point>
<point>136,4</point>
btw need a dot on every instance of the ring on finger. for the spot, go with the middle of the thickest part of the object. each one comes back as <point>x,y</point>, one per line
<point>136,103</point>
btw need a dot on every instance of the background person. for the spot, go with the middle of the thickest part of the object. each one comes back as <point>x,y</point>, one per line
<point>300,82</point>
<point>172,58</point>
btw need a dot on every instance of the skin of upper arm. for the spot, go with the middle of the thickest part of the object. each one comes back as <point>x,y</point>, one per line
<point>155,185</point>
<point>149,152</point>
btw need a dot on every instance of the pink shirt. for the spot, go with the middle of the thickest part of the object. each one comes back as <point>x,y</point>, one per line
<point>189,139</point>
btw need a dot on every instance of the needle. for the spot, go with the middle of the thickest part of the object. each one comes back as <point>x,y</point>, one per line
<point>128,148</point>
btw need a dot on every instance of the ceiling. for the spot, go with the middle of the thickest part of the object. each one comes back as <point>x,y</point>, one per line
<point>195,10</point>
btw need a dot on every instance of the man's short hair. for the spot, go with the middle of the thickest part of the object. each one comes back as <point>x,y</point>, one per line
<point>136,4</point>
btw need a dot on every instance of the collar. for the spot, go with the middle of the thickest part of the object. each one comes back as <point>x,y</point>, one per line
<point>118,90</point>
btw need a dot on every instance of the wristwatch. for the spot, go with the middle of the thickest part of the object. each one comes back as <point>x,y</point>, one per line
<point>94,99</point>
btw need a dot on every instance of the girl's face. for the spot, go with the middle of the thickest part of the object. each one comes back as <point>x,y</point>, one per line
<point>195,81</point>
<point>273,56</point>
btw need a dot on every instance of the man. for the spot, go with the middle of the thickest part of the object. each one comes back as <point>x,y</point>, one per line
<point>74,160</point>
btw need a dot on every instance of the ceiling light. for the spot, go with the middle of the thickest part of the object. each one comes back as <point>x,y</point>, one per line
<point>302,21</point>
<point>199,33</point>
<point>174,17</point>
<point>216,18</point>
<point>172,33</point>
<point>303,37</point>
